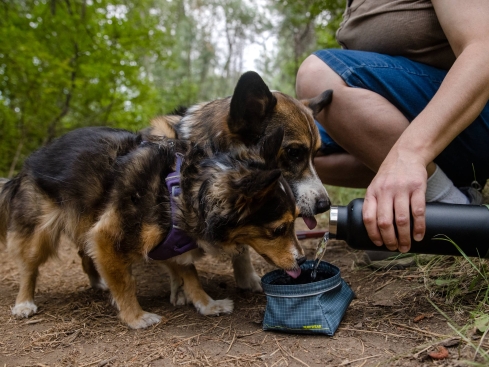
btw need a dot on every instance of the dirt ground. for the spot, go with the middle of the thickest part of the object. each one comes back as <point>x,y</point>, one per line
<point>77,326</point>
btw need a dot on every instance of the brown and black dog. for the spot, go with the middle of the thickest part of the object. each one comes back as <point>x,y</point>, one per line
<point>105,190</point>
<point>243,121</point>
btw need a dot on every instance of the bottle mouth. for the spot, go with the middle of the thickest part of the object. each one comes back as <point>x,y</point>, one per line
<point>333,222</point>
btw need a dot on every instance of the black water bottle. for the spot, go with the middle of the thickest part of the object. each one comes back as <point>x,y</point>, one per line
<point>465,225</point>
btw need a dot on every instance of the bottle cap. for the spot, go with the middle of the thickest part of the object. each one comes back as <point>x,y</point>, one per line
<point>333,221</point>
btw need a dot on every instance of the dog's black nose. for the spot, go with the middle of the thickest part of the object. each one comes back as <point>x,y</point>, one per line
<point>301,260</point>
<point>322,205</point>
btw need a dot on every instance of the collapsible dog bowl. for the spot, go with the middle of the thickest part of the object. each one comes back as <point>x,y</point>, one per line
<point>310,308</point>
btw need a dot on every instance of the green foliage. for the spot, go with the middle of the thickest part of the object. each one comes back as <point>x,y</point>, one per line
<point>305,26</point>
<point>464,283</point>
<point>71,63</point>
<point>343,195</point>
<point>66,64</point>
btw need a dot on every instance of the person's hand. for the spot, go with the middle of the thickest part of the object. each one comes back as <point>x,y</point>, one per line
<point>398,187</point>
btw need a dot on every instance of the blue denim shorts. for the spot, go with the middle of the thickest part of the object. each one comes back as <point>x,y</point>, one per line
<point>409,86</point>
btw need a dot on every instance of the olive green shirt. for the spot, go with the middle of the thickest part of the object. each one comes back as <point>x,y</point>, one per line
<point>407,28</point>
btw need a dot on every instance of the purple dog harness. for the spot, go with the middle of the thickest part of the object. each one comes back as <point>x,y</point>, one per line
<point>177,241</point>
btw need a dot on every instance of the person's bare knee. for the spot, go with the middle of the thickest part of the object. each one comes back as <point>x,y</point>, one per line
<point>314,77</point>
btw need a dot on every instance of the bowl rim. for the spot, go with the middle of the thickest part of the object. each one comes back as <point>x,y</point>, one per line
<point>302,290</point>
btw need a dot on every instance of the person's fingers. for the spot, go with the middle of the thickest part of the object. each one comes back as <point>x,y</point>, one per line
<point>402,220</point>
<point>385,222</point>
<point>369,212</point>
<point>418,210</point>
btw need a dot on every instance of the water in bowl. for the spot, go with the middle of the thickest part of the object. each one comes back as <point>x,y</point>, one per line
<point>304,278</point>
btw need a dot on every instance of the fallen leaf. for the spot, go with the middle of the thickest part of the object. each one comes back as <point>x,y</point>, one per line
<point>445,282</point>
<point>419,318</point>
<point>440,353</point>
<point>423,316</point>
<point>482,323</point>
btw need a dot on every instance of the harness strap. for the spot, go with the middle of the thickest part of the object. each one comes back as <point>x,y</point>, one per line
<point>177,241</point>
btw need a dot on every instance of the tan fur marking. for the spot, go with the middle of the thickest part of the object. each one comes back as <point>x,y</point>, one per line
<point>30,253</point>
<point>295,112</point>
<point>282,251</point>
<point>151,235</point>
<point>163,126</point>
<point>116,271</point>
<point>109,223</point>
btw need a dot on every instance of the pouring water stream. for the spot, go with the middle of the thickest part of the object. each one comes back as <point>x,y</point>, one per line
<point>319,254</point>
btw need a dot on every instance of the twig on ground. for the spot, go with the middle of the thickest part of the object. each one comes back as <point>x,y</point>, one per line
<point>107,361</point>
<point>244,335</point>
<point>377,332</point>
<point>480,343</point>
<point>445,342</point>
<point>290,354</point>
<point>384,285</point>
<point>232,341</point>
<point>251,358</point>
<point>195,336</point>
<point>345,363</point>
<point>419,330</point>
<point>275,351</point>
<point>363,345</point>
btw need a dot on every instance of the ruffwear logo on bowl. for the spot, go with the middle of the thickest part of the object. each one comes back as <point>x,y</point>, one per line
<point>312,327</point>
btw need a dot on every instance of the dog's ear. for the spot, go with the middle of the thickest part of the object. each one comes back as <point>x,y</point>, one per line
<point>252,101</point>
<point>271,147</point>
<point>253,190</point>
<point>317,103</point>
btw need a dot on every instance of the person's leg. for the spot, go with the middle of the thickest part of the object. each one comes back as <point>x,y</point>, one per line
<point>343,169</point>
<point>375,97</point>
<point>362,122</point>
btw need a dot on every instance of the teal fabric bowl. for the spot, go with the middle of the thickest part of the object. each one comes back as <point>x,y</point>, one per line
<point>311,308</point>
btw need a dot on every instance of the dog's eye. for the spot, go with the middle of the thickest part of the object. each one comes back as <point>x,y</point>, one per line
<point>280,231</point>
<point>294,153</point>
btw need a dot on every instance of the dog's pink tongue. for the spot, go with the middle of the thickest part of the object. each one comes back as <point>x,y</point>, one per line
<point>294,273</point>
<point>311,222</point>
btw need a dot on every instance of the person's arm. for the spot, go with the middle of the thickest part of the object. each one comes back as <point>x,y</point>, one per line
<point>400,183</point>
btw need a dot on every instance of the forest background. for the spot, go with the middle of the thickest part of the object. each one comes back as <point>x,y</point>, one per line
<point>65,64</point>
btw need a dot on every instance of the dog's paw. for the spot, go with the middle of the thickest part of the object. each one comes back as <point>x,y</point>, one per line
<point>24,309</point>
<point>99,284</point>
<point>177,297</point>
<point>146,319</point>
<point>250,281</point>
<point>221,306</point>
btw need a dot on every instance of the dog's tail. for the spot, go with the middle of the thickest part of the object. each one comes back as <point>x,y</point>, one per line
<point>8,188</point>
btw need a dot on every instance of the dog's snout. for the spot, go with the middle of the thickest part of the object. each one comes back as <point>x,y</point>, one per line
<point>301,260</point>
<point>322,205</point>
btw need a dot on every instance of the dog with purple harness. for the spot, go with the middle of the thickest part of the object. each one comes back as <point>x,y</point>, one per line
<point>117,197</point>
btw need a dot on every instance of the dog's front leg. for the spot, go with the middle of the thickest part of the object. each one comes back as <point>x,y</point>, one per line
<point>115,268</point>
<point>196,294</point>
<point>89,268</point>
<point>244,272</point>
<point>177,293</point>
